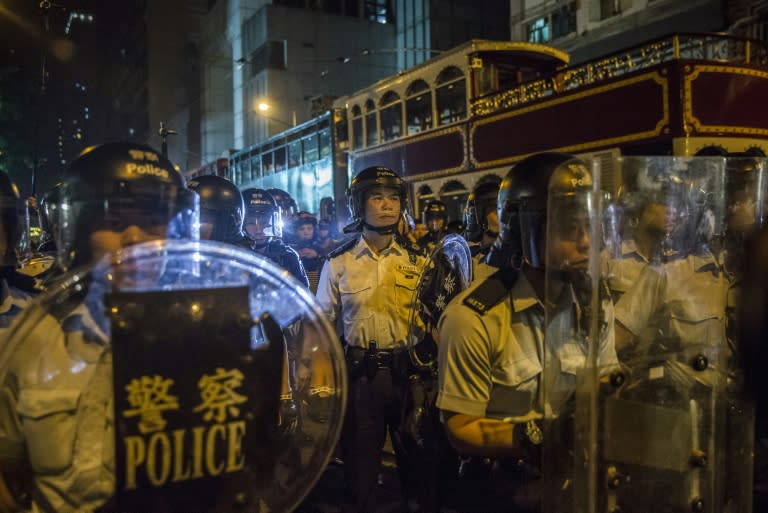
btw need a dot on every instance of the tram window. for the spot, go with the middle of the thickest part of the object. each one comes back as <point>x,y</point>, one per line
<point>280,158</point>
<point>451,96</point>
<point>357,127</point>
<point>309,144</point>
<point>325,142</point>
<point>267,165</point>
<point>391,117</point>
<point>371,130</point>
<point>255,167</point>
<point>418,107</point>
<point>294,153</point>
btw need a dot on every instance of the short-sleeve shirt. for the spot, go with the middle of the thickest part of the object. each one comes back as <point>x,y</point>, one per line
<point>684,300</point>
<point>56,412</point>
<point>370,297</point>
<point>490,365</point>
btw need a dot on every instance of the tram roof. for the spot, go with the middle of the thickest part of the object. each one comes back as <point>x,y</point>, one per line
<point>522,53</point>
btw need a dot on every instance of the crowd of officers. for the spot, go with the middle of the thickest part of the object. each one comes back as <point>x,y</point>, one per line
<point>467,430</point>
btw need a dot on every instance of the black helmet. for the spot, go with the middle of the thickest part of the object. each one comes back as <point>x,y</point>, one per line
<point>365,180</point>
<point>287,204</point>
<point>522,201</point>
<point>260,205</point>
<point>434,209</point>
<point>480,201</point>
<point>117,185</point>
<point>221,205</point>
<point>303,218</point>
<point>9,213</point>
<point>49,213</point>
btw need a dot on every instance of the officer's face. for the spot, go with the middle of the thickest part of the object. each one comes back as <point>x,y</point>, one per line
<point>305,232</point>
<point>382,207</point>
<point>492,221</point>
<point>659,218</point>
<point>420,230</point>
<point>435,224</point>
<point>255,226</point>
<point>569,242</point>
<point>103,241</point>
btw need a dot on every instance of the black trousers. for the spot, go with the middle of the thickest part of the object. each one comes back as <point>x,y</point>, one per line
<point>374,407</point>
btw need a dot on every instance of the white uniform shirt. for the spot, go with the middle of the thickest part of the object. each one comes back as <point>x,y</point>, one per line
<point>369,296</point>
<point>56,404</point>
<point>490,365</point>
<point>12,302</point>
<point>684,300</point>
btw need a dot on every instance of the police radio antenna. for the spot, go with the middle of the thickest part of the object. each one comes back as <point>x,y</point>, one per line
<point>164,133</point>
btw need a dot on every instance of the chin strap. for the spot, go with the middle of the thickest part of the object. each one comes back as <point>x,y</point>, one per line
<point>381,230</point>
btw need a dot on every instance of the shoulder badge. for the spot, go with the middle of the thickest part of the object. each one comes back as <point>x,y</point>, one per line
<point>343,248</point>
<point>491,291</point>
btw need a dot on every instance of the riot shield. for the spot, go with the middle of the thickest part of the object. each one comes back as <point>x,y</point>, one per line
<point>577,316</point>
<point>155,380</point>
<point>447,272</point>
<point>656,428</point>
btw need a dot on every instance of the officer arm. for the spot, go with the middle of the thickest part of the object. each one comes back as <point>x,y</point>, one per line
<point>464,381</point>
<point>481,436</point>
<point>639,306</point>
<point>328,293</point>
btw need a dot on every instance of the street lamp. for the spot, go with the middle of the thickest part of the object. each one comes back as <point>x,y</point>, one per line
<point>263,107</point>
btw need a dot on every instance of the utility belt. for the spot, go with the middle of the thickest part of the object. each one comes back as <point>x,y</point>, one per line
<point>369,361</point>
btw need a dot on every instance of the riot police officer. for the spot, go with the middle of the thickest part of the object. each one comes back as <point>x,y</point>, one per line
<point>481,219</point>
<point>498,373</point>
<point>263,226</point>
<point>221,210</point>
<point>288,211</point>
<point>435,218</point>
<point>16,289</point>
<point>116,195</point>
<point>366,288</point>
<point>305,233</point>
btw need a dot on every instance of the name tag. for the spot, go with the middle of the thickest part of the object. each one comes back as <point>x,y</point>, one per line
<point>408,269</point>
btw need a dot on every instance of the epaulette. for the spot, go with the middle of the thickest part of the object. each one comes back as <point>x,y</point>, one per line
<point>491,291</point>
<point>344,247</point>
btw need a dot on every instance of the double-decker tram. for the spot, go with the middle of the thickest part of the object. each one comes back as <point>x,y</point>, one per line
<point>472,112</point>
<point>469,113</point>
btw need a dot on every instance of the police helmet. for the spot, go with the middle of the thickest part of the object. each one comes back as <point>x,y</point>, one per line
<point>260,205</point>
<point>480,202</point>
<point>364,181</point>
<point>117,185</point>
<point>221,205</point>
<point>9,214</point>
<point>303,218</point>
<point>287,204</point>
<point>522,202</point>
<point>434,209</point>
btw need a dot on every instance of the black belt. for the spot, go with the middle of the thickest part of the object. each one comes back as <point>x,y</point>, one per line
<point>385,358</point>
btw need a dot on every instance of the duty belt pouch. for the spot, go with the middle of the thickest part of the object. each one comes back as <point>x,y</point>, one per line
<point>356,360</point>
<point>371,360</point>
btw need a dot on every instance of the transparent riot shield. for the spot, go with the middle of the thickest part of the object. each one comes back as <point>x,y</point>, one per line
<point>576,322</point>
<point>447,272</point>
<point>156,380</point>
<point>659,422</point>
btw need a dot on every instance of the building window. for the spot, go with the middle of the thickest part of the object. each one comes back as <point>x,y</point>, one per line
<point>270,55</point>
<point>538,30</point>
<point>609,8</point>
<point>564,20</point>
<point>379,11</point>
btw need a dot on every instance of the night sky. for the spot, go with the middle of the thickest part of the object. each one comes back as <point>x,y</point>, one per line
<point>32,117</point>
